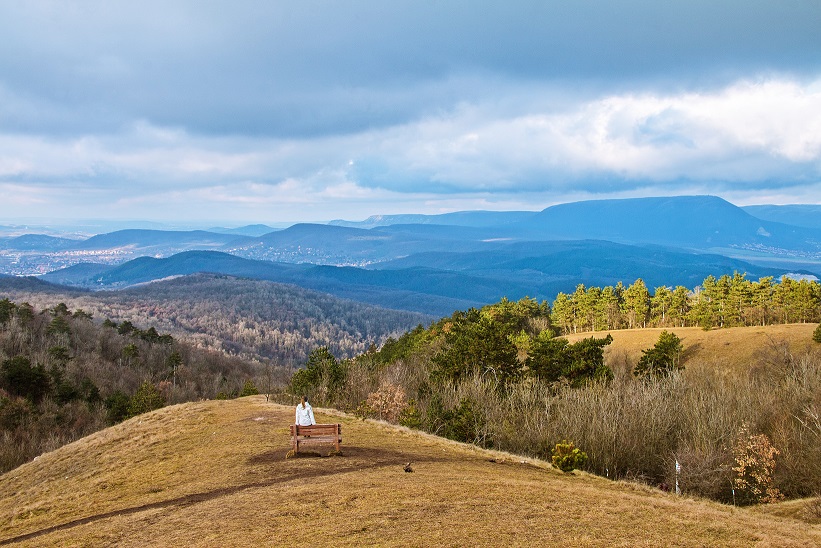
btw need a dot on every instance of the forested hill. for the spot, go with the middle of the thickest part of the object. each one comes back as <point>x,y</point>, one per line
<point>65,373</point>
<point>253,318</point>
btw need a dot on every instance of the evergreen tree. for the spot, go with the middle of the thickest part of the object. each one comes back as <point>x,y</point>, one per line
<point>556,360</point>
<point>19,377</point>
<point>146,398</point>
<point>637,304</point>
<point>762,295</point>
<point>563,314</point>
<point>7,309</point>
<point>662,359</point>
<point>609,307</point>
<point>322,378</point>
<point>660,304</point>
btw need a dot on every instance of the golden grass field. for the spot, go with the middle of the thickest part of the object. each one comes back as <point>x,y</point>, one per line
<point>214,473</point>
<point>733,348</point>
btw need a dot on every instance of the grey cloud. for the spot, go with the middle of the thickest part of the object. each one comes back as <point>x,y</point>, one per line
<point>311,68</point>
<point>198,102</point>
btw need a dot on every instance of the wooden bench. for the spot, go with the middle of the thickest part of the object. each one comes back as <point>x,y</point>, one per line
<point>316,434</point>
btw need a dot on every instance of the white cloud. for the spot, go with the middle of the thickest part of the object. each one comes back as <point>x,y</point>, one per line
<point>753,138</point>
<point>748,132</point>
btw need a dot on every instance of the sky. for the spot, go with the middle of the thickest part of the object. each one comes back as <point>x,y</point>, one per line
<point>272,111</point>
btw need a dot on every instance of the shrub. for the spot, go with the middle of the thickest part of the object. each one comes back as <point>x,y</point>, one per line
<point>411,416</point>
<point>463,422</point>
<point>14,412</point>
<point>567,457</point>
<point>816,335</point>
<point>388,402</point>
<point>146,398</point>
<point>662,359</point>
<point>754,466</point>
<point>363,410</point>
<point>812,508</point>
<point>117,407</point>
<point>19,377</point>
<point>248,389</point>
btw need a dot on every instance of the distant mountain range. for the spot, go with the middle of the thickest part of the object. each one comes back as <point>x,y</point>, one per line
<point>436,264</point>
<point>438,283</point>
<point>36,242</point>
<point>155,240</point>
<point>806,215</point>
<point>459,218</point>
<point>702,223</point>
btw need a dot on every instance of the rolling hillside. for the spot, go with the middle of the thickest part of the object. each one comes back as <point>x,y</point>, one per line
<point>253,318</point>
<point>215,473</point>
<point>681,224</point>
<point>437,283</point>
<point>730,348</point>
<point>150,241</point>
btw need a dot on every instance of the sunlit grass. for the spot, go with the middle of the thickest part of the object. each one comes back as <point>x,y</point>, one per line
<point>215,474</point>
<point>734,348</point>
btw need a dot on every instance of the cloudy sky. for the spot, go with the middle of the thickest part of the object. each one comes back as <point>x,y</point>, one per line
<point>275,111</point>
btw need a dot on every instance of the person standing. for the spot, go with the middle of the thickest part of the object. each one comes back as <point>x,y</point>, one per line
<point>304,413</point>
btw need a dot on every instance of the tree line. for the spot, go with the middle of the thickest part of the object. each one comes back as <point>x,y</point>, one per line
<point>726,301</point>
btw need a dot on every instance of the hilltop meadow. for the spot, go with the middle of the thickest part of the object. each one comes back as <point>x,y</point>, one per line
<point>215,473</point>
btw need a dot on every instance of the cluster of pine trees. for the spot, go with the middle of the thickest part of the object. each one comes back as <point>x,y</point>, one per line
<point>727,301</point>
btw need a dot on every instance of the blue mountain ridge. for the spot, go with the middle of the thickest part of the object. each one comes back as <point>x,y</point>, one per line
<point>804,215</point>
<point>416,284</point>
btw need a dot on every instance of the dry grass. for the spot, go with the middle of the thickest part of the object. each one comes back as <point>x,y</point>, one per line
<point>215,474</point>
<point>808,510</point>
<point>735,347</point>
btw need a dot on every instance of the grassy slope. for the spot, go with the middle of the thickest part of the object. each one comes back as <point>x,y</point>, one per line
<point>213,473</point>
<point>734,348</point>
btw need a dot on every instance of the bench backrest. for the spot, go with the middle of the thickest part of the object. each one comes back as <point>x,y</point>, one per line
<point>317,429</point>
<point>316,433</point>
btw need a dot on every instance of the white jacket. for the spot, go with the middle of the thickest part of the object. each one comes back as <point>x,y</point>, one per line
<point>305,415</point>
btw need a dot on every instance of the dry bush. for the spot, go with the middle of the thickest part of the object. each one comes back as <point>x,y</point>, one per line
<point>618,360</point>
<point>634,428</point>
<point>637,429</point>
<point>388,402</point>
<point>704,471</point>
<point>754,457</point>
<point>360,381</point>
<point>812,508</point>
